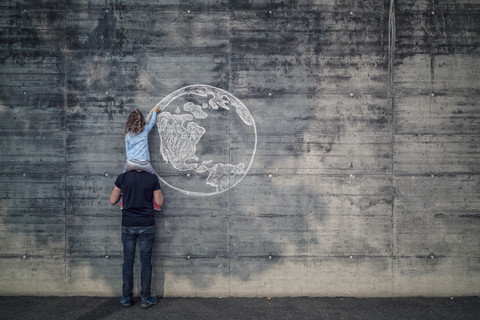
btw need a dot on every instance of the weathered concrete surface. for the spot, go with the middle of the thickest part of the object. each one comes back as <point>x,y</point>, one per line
<point>365,180</point>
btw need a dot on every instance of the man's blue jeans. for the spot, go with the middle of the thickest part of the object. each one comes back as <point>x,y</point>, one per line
<point>145,236</point>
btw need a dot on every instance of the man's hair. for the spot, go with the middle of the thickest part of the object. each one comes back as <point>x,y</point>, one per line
<point>135,122</point>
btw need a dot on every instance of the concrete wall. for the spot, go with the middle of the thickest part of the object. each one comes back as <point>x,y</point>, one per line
<point>366,175</point>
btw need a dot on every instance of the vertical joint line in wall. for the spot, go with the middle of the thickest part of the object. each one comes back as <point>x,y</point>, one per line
<point>391,49</point>
<point>382,21</point>
<point>229,51</point>
<point>432,69</point>
<point>391,98</point>
<point>391,101</point>
<point>432,80</point>
<point>229,221</point>
<point>65,107</point>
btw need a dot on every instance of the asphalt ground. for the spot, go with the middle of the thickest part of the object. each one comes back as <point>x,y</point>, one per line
<point>242,308</point>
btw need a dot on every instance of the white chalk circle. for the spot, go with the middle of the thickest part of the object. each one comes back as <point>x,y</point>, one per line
<point>208,140</point>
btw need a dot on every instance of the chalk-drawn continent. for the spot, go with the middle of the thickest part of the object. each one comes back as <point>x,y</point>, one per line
<point>222,175</point>
<point>178,142</point>
<point>196,110</point>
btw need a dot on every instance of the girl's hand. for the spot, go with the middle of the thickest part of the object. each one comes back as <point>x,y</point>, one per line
<point>157,109</point>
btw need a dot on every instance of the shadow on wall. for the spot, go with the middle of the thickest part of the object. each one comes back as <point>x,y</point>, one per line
<point>250,232</point>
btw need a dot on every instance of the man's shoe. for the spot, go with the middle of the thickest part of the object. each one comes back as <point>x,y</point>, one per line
<point>125,302</point>
<point>149,302</point>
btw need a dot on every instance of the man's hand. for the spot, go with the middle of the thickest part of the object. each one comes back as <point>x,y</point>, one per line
<point>158,197</point>
<point>115,196</point>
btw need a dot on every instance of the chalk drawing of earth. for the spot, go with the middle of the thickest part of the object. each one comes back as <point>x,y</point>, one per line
<point>208,140</point>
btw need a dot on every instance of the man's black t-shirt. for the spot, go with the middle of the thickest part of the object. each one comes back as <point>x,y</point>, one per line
<point>137,191</point>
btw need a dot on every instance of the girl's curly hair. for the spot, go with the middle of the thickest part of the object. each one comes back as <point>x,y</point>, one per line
<point>135,122</point>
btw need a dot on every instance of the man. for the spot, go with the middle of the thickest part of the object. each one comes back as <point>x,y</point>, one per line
<point>138,189</point>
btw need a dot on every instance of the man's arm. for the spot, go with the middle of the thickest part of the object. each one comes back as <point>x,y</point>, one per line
<point>157,197</point>
<point>115,196</point>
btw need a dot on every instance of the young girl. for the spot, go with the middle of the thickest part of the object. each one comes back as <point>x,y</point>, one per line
<point>136,141</point>
<point>136,144</point>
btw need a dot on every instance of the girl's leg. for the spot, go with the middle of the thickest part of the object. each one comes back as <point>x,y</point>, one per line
<point>127,167</point>
<point>139,164</point>
<point>149,169</point>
